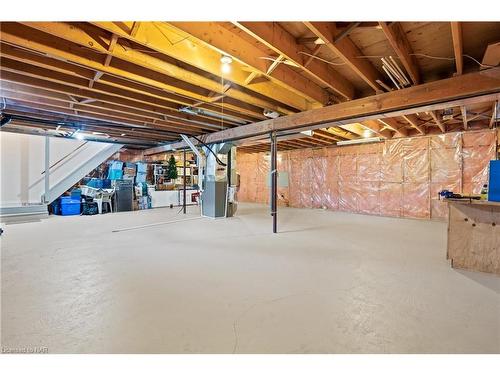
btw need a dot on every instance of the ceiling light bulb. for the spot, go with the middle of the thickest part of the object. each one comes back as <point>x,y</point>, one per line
<point>226,59</point>
<point>123,134</point>
<point>226,68</point>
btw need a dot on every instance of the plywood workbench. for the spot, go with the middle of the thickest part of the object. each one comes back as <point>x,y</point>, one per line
<point>474,235</point>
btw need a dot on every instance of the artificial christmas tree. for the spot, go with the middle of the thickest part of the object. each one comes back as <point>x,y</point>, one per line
<point>172,169</point>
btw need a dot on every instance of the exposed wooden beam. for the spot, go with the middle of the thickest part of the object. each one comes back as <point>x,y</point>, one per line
<point>310,40</point>
<point>465,121</point>
<point>87,101</point>
<point>345,31</point>
<point>414,121</point>
<point>70,96</point>
<point>137,105</point>
<point>114,131</point>
<point>339,132</point>
<point>26,127</point>
<point>169,81</point>
<point>456,33</point>
<point>327,135</point>
<point>312,55</point>
<point>437,120</point>
<point>156,35</point>
<point>318,139</point>
<point>97,111</point>
<point>274,64</point>
<point>275,37</point>
<point>376,127</point>
<point>491,56</point>
<point>393,124</point>
<point>224,38</point>
<point>467,89</point>
<point>46,112</point>
<point>96,78</point>
<point>251,77</point>
<point>135,28</point>
<point>397,38</point>
<point>111,47</point>
<point>99,44</point>
<point>113,84</point>
<point>347,51</point>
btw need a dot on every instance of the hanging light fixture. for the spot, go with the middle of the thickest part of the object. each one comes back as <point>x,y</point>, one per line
<point>226,63</point>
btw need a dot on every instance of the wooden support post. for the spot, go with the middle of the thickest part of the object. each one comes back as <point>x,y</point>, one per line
<point>274,181</point>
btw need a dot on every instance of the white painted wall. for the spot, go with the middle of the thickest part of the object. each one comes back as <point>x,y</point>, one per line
<point>22,161</point>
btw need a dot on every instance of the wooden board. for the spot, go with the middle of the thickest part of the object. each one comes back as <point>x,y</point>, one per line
<point>474,236</point>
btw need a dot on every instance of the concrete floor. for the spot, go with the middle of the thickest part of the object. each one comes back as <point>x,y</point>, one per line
<point>328,283</point>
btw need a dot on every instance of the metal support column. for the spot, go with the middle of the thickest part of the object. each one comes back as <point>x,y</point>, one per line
<point>47,170</point>
<point>274,182</point>
<point>184,192</point>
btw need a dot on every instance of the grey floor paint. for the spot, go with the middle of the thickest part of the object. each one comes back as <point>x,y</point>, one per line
<point>328,283</point>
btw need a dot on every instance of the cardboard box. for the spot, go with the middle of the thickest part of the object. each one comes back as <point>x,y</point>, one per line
<point>129,171</point>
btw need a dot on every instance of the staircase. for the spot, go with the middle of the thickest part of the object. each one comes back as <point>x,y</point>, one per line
<point>23,186</point>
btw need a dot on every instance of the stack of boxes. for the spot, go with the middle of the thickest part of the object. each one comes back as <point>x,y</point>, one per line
<point>115,170</point>
<point>142,169</point>
<point>129,171</point>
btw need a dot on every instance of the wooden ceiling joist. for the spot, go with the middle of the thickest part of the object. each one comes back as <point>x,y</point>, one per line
<point>327,139</point>
<point>34,94</point>
<point>437,121</point>
<point>156,35</point>
<point>327,135</point>
<point>108,128</point>
<point>181,79</point>
<point>158,74</point>
<point>482,86</point>
<point>275,37</point>
<point>456,33</point>
<point>154,108</point>
<point>394,125</point>
<point>347,51</point>
<point>397,38</point>
<point>414,121</point>
<point>95,109</point>
<point>342,133</point>
<point>84,115</point>
<point>220,37</point>
<point>376,127</point>
<point>166,78</point>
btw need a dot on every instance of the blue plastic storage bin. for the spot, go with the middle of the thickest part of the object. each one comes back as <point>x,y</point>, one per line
<point>95,183</point>
<point>116,164</point>
<point>106,183</point>
<point>115,174</point>
<point>76,194</point>
<point>70,206</point>
<point>56,207</point>
<point>494,183</point>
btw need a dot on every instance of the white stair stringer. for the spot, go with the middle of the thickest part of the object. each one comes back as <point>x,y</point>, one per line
<point>80,171</point>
